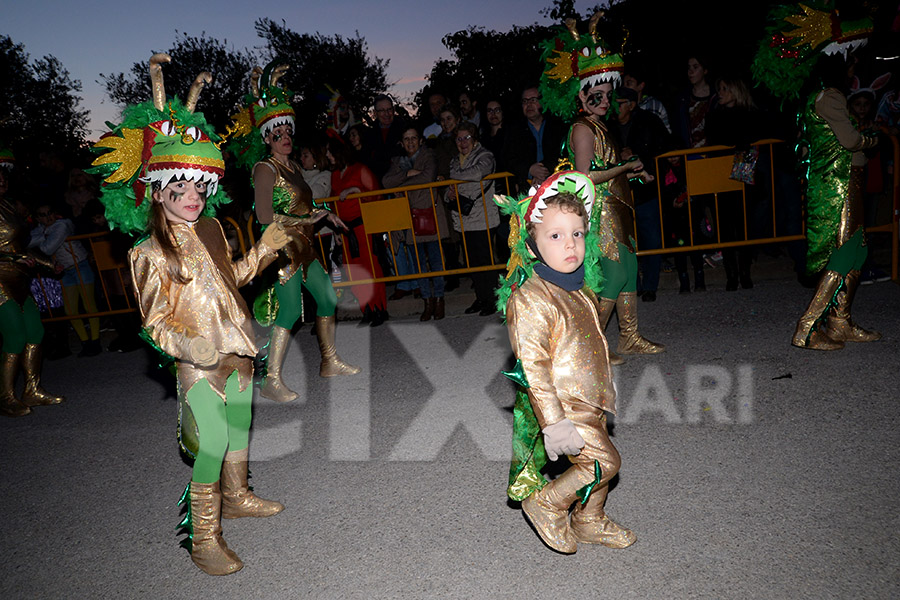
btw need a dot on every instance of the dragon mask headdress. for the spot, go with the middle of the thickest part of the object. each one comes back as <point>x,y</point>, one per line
<point>158,141</point>
<point>7,159</point>
<point>529,209</point>
<point>572,62</point>
<point>797,36</point>
<point>266,107</point>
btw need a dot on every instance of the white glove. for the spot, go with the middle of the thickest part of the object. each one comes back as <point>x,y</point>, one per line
<point>275,237</point>
<point>562,438</point>
<point>203,352</point>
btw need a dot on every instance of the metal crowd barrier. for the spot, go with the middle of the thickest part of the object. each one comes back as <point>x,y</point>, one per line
<point>707,173</point>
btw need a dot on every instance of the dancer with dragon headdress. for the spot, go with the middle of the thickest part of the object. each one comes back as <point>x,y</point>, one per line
<point>261,140</point>
<point>562,369</point>
<point>187,287</point>
<point>809,48</point>
<point>581,69</point>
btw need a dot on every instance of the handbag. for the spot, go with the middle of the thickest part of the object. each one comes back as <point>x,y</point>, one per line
<point>423,221</point>
<point>744,167</point>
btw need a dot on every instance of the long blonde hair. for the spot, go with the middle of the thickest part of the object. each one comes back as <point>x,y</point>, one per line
<point>740,91</point>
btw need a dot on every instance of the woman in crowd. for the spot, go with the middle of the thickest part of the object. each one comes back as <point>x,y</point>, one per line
<point>473,213</point>
<point>349,176</point>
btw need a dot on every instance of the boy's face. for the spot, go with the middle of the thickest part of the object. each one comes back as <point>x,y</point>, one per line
<point>560,239</point>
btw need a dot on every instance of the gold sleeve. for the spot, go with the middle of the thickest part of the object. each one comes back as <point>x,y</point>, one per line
<point>157,308</point>
<point>530,334</point>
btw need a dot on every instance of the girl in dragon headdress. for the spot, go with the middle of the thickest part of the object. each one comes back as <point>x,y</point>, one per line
<point>20,321</point>
<point>187,286</point>
<point>579,68</point>
<point>808,48</point>
<point>261,139</point>
<point>564,377</point>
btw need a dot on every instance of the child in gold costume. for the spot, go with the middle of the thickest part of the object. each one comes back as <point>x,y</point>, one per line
<point>566,383</point>
<point>187,287</point>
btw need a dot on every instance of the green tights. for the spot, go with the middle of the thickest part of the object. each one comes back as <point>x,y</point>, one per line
<point>619,276</point>
<point>20,325</point>
<point>222,426</point>
<point>850,255</point>
<point>290,295</point>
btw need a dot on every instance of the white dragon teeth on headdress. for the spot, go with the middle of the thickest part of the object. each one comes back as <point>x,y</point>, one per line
<point>270,125</point>
<point>572,182</point>
<point>167,176</point>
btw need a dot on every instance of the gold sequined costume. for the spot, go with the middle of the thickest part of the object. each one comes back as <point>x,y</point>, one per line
<point>558,338</point>
<point>208,306</point>
<point>293,207</point>
<point>21,351</point>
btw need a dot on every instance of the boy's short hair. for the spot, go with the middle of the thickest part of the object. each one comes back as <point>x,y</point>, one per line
<point>567,202</point>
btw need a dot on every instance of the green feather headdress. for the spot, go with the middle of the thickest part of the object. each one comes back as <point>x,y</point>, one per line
<point>158,141</point>
<point>266,107</point>
<point>528,209</point>
<point>573,61</point>
<point>797,35</point>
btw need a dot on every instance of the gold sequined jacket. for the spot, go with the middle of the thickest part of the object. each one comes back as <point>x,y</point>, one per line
<point>616,219</point>
<point>14,276</point>
<point>207,306</point>
<point>293,207</point>
<point>557,336</point>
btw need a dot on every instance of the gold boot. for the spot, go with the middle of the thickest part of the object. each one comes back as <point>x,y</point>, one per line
<point>630,341</point>
<point>590,525</point>
<point>332,365</point>
<point>840,327</point>
<point>807,334</point>
<point>548,510</point>
<point>274,387</point>
<point>10,406</point>
<point>34,394</point>
<point>237,499</point>
<point>607,305</point>
<point>208,549</point>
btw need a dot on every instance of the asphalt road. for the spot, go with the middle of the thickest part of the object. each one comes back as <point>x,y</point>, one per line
<point>751,469</point>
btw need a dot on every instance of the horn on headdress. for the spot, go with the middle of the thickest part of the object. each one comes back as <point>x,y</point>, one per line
<point>202,79</point>
<point>592,24</point>
<point>571,26</point>
<point>277,74</point>
<point>156,79</point>
<point>254,80</point>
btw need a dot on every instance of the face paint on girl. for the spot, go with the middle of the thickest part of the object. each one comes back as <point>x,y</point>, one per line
<point>182,201</point>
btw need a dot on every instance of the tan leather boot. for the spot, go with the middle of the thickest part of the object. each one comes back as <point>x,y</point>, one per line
<point>34,394</point>
<point>208,549</point>
<point>607,305</point>
<point>840,327</point>
<point>590,525</point>
<point>428,311</point>
<point>274,387</point>
<point>548,510</point>
<point>10,406</point>
<point>332,365</point>
<point>630,341</point>
<point>810,335</point>
<point>237,499</point>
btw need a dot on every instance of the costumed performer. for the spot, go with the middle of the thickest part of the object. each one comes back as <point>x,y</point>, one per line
<point>807,54</point>
<point>562,368</point>
<point>582,69</point>
<point>187,287</point>
<point>261,138</point>
<point>20,320</point>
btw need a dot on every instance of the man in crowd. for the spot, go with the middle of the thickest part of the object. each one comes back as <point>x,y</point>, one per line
<point>531,150</point>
